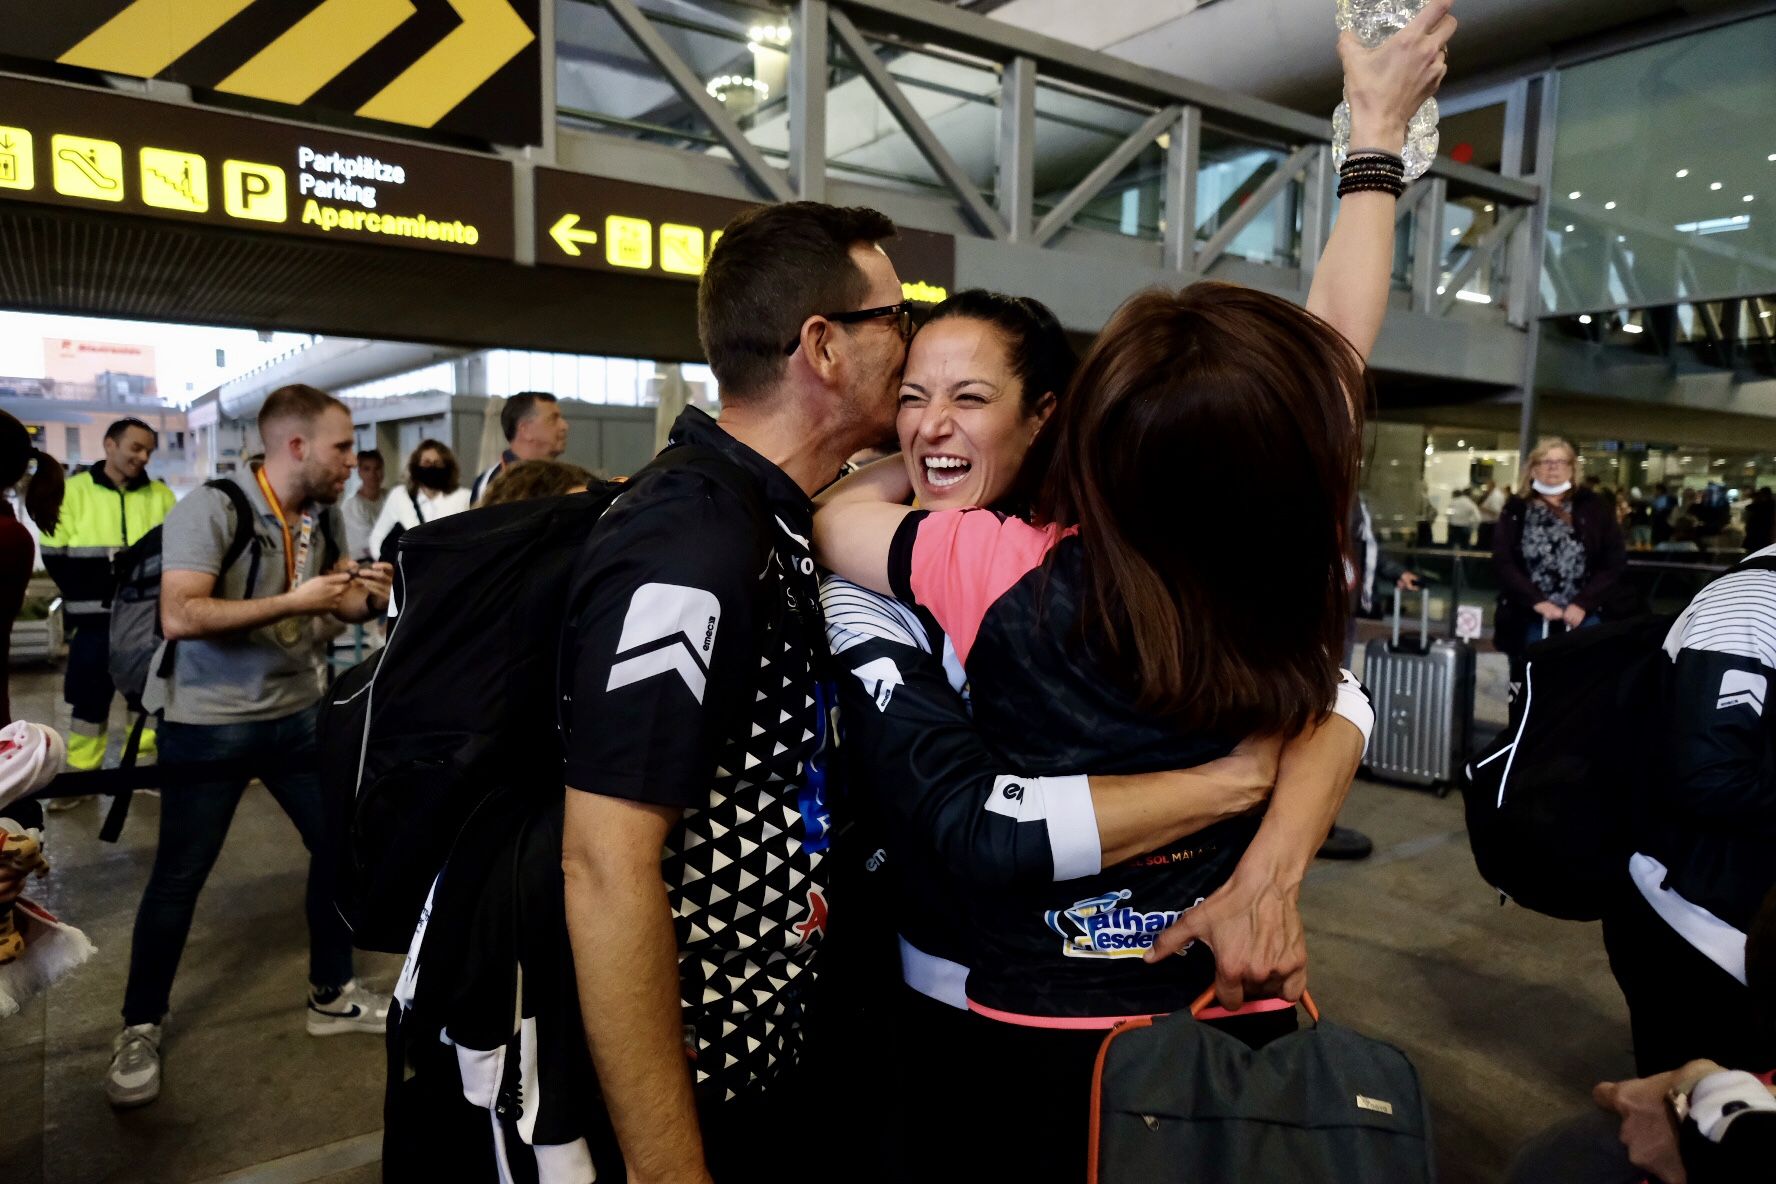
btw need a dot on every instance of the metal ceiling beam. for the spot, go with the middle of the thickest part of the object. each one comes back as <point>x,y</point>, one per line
<point>917,130</point>
<point>768,180</point>
<point>1256,204</point>
<point>957,29</point>
<point>1183,161</point>
<point>1016,188</point>
<point>1107,170</point>
<point>1495,238</point>
<point>807,100</point>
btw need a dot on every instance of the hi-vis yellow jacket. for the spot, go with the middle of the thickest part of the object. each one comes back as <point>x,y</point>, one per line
<point>99,520</point>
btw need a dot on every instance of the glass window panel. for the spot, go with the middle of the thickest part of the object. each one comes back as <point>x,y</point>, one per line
<point>1652,148</point>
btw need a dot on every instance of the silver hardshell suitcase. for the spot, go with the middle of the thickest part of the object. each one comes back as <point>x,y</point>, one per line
<point>1422,690</point>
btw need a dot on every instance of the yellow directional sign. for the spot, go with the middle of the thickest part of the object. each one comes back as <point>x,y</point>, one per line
<point>317,49</point>
<point>17,170</point>
<point>413,62</point>
<point>628,242</point>
<point>175,180</point>
<point>83,167</point>
<point>568,238</point>
<point>681,249</point>
<point>254,191</point>
<point>150,35</point>
<point>491,34</point>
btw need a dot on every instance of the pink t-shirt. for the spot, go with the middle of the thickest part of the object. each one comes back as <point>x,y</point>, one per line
<point>956,563</point>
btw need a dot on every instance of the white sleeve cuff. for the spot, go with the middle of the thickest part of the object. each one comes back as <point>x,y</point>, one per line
<point>1073,828</point>
<point>1721,1097</point>
<point>1349,701</point>
<point>1064,807</point>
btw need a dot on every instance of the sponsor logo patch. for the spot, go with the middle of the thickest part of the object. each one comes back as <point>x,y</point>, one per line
<point>1106,927</point>
<point>673,627</point>
<point>880,677</point>
<point>1742,687</point>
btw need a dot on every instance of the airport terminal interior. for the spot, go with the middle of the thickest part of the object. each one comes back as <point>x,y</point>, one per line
<point>482,227</point>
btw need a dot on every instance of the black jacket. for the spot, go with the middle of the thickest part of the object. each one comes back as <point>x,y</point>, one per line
<point>1606,557</point>
<point>1715,832</point>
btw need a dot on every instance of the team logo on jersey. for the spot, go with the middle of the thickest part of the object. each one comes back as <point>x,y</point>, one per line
<point>669,629</point>
<point>879,677</point>
<point>1742,686</point>
<point>815,925</point>
<point>1105,927</point>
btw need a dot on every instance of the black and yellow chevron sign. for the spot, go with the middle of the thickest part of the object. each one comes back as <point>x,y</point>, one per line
<point>469,67</point>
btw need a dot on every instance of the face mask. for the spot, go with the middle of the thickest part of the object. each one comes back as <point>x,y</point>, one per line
<point>1547,490</point>
<point>432,476</point>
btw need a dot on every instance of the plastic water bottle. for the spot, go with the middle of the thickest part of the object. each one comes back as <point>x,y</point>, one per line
<point>1374,21</point>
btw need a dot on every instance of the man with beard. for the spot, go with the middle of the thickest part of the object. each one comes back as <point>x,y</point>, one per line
<point>239,679</point>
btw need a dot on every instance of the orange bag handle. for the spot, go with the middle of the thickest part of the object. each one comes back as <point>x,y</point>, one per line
<point>1207,999</point>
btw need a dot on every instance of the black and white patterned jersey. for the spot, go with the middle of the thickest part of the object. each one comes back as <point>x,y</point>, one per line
<point>692,645</point>
<point>1709,857</point>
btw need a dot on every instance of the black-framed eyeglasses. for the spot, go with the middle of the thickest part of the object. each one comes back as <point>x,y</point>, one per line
<point>902,311</point>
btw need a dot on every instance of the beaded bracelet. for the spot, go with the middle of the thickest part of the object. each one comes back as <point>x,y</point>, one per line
<point>1376,153</point>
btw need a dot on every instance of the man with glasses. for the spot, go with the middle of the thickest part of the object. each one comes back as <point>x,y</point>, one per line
<point>696,724</point>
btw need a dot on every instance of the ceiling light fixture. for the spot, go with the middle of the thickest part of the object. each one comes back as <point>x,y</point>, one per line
<point>723,85</point>
<point>1575,195</point>
<point>1631,329</point>
<point>1474,297</point>
<point>1570,228</point>
<point>1487,207</point>
<point>1682,173</point>
<point>1584,318</point>
<point>1714,184</point>
<point>1609,205</point>
<point>1748,197</point>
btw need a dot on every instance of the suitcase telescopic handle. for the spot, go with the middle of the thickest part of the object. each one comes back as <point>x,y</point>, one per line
<point>1424,615</point>
<point>1206,1000</point>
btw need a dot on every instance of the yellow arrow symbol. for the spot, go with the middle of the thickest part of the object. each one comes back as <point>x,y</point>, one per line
<point>151,35</point>
<point>315,49</point>
<point>491,34</point>
<point>569,239</point>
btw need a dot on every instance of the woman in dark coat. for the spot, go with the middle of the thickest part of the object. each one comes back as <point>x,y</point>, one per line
<point>1558,551</point>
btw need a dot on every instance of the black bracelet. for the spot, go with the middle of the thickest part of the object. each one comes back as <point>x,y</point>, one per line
<point>1378,153</point>
<point>1391,188</point>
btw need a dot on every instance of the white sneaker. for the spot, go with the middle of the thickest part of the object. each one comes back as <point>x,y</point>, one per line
<point>351,1008</point>
<point>134,1079</point>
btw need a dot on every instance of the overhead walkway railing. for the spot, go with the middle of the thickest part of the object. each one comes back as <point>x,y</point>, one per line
<point>1029,139</point>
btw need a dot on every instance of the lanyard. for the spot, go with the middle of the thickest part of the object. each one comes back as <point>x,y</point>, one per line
<point>295,556</point>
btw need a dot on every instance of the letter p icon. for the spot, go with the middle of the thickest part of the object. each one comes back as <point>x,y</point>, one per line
<point>254,191</point>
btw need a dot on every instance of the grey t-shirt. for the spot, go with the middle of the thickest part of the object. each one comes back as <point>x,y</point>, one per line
<point>251,676</point>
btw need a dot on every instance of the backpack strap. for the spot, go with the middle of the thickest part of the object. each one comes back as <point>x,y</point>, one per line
<point>724,472</point>
<point>1755,563</point>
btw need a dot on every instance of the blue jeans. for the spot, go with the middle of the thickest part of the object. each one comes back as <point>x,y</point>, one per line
<point>194,821</point>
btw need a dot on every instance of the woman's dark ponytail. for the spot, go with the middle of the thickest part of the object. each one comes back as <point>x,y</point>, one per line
<point>44,490</point>
<point>43,494</point>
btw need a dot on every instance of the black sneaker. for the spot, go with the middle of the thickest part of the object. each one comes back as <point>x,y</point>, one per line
<point>1345,843</point>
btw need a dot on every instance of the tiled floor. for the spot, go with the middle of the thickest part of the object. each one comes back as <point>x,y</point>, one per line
<point>1509,1016</point>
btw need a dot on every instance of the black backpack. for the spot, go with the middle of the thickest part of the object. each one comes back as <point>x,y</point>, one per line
<point>453,727</point>
<point>1555,803</point>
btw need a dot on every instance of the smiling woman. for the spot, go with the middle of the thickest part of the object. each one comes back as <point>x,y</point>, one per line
<point>981,380</point>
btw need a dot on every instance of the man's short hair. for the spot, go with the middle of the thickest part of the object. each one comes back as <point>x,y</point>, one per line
<point>775,267</point>
<point>296,403</point>
<point>116,430</point>
<point>519,408</point>
<point>371,454</point>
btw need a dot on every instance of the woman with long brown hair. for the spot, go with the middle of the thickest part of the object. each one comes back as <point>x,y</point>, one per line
<point>1115,634</point>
